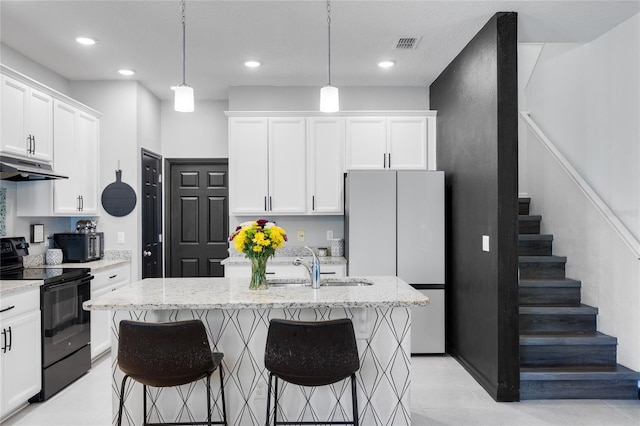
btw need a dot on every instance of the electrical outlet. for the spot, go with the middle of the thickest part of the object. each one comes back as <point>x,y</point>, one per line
<point>329,235</point>
<point>485,243</point>
<point>260,392</point>
<point>120,237</point>
<point>300,235</point>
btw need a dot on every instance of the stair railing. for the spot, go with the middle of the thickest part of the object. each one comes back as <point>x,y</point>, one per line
<point>601,206</point>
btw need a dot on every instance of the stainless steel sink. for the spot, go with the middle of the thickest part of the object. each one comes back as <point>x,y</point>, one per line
<point>325,282</point>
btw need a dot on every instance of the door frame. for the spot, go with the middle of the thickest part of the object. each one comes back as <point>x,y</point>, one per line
<point>168,164</point>
<point>161,258</point>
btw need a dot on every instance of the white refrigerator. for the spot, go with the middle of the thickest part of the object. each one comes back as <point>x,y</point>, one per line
<point>394,225</point>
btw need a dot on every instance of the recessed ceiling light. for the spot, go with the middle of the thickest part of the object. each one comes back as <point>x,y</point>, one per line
<point>386,64</point>
<point>88,41</point>
<point>252,64</point>
<point>126,72</point>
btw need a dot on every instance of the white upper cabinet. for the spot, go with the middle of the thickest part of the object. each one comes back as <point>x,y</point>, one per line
<point>325,160</point>
<point>267,165</point>
<point>407,143</point>
<point>27,121</point>
<point>76,147</point>
<point>287,165</point>
<point>248,165</point>
<point>395,143</point>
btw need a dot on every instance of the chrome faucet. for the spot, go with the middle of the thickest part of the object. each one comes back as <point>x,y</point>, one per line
<point>313,269</point>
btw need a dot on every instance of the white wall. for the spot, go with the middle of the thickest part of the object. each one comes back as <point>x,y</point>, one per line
<point>19,62</point>
<point>117,101</point>
<point>199,134</point>
<point>296,98</point>
<point>586,99</point>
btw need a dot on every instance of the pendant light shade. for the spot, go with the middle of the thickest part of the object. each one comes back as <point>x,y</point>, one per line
<point>184,98</point>
<point>183,92</point>
<point>329,99</point>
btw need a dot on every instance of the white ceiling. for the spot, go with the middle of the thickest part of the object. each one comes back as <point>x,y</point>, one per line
<point>289,37</point>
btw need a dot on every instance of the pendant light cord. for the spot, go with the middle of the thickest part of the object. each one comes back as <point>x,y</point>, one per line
<point>184,32</point>
<point>329,36</point>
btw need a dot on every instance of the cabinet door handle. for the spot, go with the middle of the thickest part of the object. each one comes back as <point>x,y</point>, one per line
<point>33,138</point>
<point>328,273</point>
<point>270,203</point>
<point>4,340</point>
<point>113,276</point>
<point>8,309</point>
<point>269,273</point>
<point>389,159</point>
<point>313,202</point>
<point>8,346</point>
<point>265,203</point>
<point>78,203</point>
<point>81,203</point>
<point>384,161</point>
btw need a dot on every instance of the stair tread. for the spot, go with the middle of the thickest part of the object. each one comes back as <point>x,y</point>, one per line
<point>566,282</point>
<point>542,259</point>
<point>531,217</point>
<point>558,310</point>
<point>617,372</point>
<point>567,339</point>
<point>535,237</point>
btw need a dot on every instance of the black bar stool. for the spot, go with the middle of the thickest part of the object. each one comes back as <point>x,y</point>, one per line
<point>311,353</point>
<point>167,354</point>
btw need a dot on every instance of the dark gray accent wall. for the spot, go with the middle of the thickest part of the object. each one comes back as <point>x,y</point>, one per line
<point>476,99</point>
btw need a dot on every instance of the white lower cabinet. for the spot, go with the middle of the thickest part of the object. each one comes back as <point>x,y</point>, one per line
<point>285,271</point>
<point>104,282</point>
<point>20,362</point>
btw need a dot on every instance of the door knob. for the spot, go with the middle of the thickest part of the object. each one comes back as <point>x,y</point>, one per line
<point>146,253</point>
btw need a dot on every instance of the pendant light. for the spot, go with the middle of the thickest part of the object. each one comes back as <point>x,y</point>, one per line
<point>329,99</point>
<point>183,92</point>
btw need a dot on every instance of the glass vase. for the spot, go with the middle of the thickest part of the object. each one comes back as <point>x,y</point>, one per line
<point>258,273</point>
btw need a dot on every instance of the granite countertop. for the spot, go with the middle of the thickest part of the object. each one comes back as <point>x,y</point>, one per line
<point>234,293</point>
<point>9,287</point>
<point>95,265</point>
<point>285,260</point>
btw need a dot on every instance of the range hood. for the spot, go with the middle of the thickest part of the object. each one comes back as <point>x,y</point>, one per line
<point>16,169</point>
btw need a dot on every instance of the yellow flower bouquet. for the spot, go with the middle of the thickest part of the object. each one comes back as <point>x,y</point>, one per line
<point>258,240</point>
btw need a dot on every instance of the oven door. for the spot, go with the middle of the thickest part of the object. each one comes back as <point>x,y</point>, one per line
<point>66,327</point>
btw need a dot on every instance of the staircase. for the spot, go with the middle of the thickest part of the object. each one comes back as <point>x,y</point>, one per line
<point>562,355</point>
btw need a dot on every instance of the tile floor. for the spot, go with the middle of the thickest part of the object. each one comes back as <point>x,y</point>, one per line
<point>443,393</point>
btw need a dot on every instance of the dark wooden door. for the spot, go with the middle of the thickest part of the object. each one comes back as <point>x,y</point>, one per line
<point>151,215</point>
<point>197,217</point>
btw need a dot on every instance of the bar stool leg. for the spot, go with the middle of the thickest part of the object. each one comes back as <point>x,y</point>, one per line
<point>267,422</point>
<point>275,402</point>
<point>209,399</point>
<point>124,379</point>
<point>144,405</point>
<point>224,408</point>
<point>354,398</point>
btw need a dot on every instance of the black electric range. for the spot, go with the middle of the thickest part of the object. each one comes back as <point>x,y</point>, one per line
<point>65,325</point>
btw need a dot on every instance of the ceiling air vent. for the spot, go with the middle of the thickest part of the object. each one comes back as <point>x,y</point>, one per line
<point>406,43</point>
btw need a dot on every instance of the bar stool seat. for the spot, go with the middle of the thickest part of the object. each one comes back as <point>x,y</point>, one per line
<point>311,353</point>
<point>168,354</point>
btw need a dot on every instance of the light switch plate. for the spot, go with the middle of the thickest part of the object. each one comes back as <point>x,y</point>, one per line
<point>329,235</point>
<point>120,237</point>
<point>485,243</point>
<point>300,235</point>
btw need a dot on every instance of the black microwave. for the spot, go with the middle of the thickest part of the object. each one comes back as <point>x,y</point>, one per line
<point>80,247</point>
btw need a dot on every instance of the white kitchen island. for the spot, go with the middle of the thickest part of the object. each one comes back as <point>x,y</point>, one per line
<point>237,321</point>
